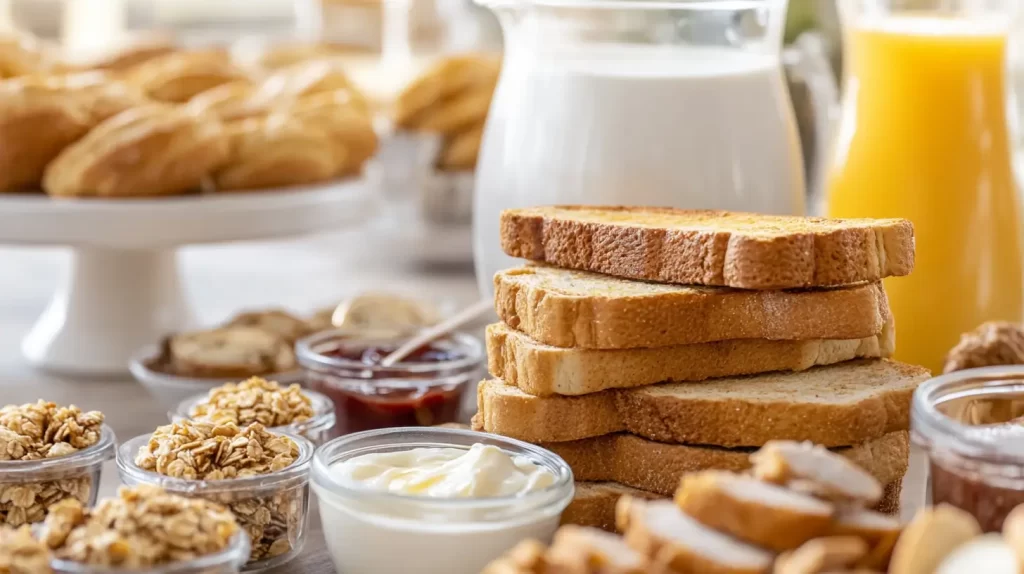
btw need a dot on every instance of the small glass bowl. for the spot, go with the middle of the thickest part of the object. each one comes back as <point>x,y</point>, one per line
<point>970,424</point>
<point>370,531</point>
<point>76,475</point>
<point>169,390</point>
<point>227,561</point>
<point>284,493</point>
<point>368,397</point>
<point>318,429</point>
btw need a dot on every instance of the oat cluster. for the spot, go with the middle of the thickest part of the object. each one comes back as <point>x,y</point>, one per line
<point>27,502</point>
<point>41,430</point>
<point>142,527</point>
<point>20,553</point>
<point>203,450</point>
<point>255,400</point>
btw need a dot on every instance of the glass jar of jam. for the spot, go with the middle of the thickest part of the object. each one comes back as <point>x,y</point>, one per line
<point>971,425</point>
<point>426,388</point>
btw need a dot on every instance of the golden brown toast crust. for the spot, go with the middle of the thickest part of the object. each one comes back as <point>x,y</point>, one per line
<point>578,309</point>
<point>711,247</point>
<point>850,403</point>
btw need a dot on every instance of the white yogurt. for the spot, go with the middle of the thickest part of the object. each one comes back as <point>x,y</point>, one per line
<point>435,510</point>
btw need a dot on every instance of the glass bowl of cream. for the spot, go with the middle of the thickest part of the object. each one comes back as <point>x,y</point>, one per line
<point>441,500</point>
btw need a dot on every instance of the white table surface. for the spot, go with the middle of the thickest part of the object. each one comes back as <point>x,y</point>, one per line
<point>301,275</point>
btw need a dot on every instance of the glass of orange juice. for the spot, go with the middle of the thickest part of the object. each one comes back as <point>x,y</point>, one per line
<point>925,134</point>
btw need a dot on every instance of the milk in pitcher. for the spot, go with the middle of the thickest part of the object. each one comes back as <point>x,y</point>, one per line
<point>679,126</point>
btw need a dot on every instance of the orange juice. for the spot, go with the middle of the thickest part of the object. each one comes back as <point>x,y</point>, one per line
<point>924,135</point>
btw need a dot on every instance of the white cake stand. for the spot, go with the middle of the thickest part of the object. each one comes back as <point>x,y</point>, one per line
<point>122,290</point>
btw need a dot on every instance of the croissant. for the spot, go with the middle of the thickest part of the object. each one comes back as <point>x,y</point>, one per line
<point>21,55</point>
<point>311,78</point>
<point>457,112</point>
<point>151,150</point>
<point>345,124</point>
<point>285,55</point>
<point>273,152</point>
<point>461,151</point>
<point>131,55</point>
<point>41,116</point>
<point>179,76</point>
<point>229,102</point>
<point>444,80</point>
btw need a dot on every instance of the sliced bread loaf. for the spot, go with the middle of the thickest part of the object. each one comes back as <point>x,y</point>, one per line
<point>836,405</point>
<point>567,308</point>
<point>742,250</point>
<point>541,369</point>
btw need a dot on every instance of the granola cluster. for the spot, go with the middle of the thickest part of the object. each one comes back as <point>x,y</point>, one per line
<point>37,431</point>
<point>45,430</point>
<point>255,400</point>
<point>203,450</point>
<point>142,527</point>
<point>20,553</point>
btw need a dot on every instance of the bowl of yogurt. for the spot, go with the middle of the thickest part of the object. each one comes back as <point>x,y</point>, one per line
<point>434,500</point>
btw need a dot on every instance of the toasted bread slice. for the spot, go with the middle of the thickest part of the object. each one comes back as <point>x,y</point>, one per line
<point>741,250</point>
<point>667,536</point>
<point>835,405</point>
<point>566,308</point>
<point>815,470</point>
<point>594,503</point>
<point>541,369</point>
<point>657,467</point>
<point>761,513</point>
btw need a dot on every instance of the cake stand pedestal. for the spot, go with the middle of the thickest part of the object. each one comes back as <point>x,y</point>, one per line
<point>122,289</point>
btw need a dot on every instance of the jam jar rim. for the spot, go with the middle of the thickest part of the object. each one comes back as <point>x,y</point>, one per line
<point>347,446</point>
<point>324,415</point>
<point>311,359</point>
<point>297,472</point>
<point>234,555</point>
<point>931,428</point>
<point>102,451</point>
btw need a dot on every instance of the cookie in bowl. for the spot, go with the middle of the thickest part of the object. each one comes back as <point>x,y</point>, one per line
<point>284,324</point>
<point>148,151</point>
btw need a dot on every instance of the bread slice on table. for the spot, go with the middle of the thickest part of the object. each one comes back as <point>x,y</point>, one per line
<point>541,369</point>
<point>835,405</point>
<point>566,308</point>
<point>743,250</point>
<point>671,538</point>
<point>657,467</point>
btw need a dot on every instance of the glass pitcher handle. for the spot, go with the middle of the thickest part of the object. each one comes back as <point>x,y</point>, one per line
<point>807,59</point>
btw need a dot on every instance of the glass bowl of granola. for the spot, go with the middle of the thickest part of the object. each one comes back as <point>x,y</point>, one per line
<point>49,453</point>
<point>261,476</point>
<point>256,400</point>
<point>144,530</point>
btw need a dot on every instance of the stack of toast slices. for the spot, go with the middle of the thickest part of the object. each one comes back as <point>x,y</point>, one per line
<point>643,343</point>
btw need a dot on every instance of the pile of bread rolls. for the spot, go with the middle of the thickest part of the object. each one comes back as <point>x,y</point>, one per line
<point>156,120</point>
<point>451,99</point>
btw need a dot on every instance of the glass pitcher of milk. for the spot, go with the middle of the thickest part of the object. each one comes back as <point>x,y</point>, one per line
<point>676,103</point>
